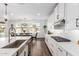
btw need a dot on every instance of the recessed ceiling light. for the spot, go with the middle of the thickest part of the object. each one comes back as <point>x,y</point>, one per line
<point>38,14</point>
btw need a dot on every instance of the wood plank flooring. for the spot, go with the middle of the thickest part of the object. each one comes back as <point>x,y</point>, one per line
<point>39,48</point>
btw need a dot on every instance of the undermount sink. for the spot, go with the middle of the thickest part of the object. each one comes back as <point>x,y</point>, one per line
<point>15,44</point>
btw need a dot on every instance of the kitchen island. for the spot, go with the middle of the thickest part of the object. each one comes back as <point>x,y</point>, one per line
<point>22,50</point>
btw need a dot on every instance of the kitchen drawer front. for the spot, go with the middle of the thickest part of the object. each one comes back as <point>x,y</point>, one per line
<point>68,54</point>
<point>61,51</point>
<point>26,51</point>
<point>49,47</point>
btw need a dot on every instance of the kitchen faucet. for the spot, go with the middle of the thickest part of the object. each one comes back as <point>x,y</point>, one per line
<point>12,33</point>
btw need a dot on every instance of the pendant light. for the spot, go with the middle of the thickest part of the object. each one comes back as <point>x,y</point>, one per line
<point>5,18</point>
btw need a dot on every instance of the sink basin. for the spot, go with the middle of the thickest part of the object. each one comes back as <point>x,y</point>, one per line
<point>15,44</point>
<point>60,39</point>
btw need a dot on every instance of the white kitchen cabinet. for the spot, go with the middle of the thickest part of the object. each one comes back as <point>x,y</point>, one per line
<point>60,51</point>
<point>54,48</point>
<point>55,15</point>
<point>47,40</point>
<point>14,54</point>
<point>51,45</point>
<point>22,53</point>
<point>26,50</point>
<point>61,10</point>
<point>72,12</point>
<point>68,54</point>
<point>57,50</point>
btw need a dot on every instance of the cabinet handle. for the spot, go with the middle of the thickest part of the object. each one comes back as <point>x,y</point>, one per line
<point>24,53</point>
<point>60,49</point>
<point>66,53</point>
<point>51,51</point>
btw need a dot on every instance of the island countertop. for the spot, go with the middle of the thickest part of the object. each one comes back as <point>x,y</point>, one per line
<point>12,51</point>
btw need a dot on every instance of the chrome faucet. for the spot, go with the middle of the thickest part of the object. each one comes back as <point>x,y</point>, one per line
<point>12,32</point>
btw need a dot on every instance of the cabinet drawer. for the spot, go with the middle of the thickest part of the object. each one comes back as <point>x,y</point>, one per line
<point>61,52</point>
<point>68,54</point>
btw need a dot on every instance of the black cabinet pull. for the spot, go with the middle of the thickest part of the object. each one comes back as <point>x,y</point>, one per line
<point>24,53</point>
<point>60,49</point>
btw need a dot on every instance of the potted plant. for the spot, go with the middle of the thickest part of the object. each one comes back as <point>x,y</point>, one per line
<point>45,28</point>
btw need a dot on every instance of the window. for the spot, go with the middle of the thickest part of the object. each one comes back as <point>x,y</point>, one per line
<point>2,29</point>
<point>27,27</point>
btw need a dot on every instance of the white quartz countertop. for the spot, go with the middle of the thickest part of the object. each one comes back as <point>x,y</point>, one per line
<point>12,51</point>
<point>70,47</point>
<point>7,52</point>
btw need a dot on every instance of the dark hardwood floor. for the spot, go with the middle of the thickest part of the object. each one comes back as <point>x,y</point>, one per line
<point>38,48</point>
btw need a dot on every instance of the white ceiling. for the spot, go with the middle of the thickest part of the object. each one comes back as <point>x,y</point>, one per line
<point>27,10</point>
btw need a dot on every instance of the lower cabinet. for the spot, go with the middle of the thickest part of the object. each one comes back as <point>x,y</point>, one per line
<point>54,48</point>
<point>61,52</point>
<point>26,51</point>
<point>15,54</point>
<point>23,51</point>
<point>68,54</point>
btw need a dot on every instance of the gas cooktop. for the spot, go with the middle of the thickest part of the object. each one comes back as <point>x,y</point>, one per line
<point>60,39</point>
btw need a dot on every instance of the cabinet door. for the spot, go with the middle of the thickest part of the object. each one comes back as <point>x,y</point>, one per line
<point>22,53</point>
<point>47,40</point>
<point>26,51</point>
<point>68,54</point>
<point>61,10</point>
<point>61,52</point>
<point>55,15</point>
<point>52,44</point>
<point>15,54</point>
<point>72,11</point>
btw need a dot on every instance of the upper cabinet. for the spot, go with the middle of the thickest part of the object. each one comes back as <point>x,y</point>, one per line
<point>61,11</point>
<point>72,13</point>
<point>59,21</point>
<point>67,11</point>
